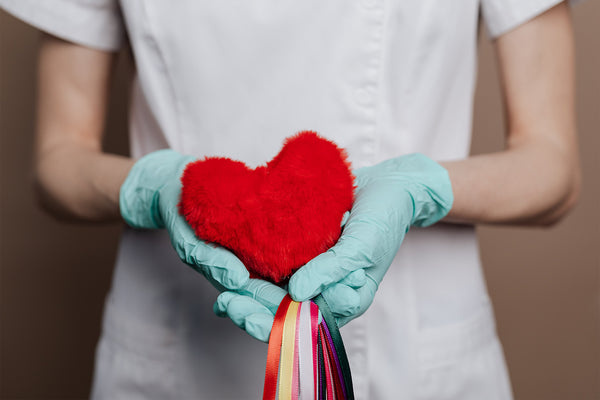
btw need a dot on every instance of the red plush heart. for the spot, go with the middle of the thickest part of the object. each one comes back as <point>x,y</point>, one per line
<point>276,217</point>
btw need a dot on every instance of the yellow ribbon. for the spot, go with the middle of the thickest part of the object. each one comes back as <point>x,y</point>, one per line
<point>286,367</point>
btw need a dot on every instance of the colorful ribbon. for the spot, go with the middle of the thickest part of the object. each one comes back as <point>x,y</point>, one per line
<point>308,357</point>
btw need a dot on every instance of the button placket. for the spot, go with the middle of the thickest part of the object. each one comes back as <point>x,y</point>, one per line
<point>366,102</point>
<point>369,3</point>
<point>362,96</point>
<point>365,94</point>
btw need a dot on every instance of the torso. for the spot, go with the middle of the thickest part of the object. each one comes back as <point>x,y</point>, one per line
<point>382,79</point>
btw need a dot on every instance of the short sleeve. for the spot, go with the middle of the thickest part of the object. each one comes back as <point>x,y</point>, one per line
<point>93,23</point>
<point>501,16</point>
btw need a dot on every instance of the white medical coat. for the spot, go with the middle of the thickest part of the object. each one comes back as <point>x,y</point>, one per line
<point>382,78</point>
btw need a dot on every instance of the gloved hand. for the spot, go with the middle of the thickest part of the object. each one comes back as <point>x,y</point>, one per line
<point>253,306</point>
<point>390,197</point>
<point>148,199</point>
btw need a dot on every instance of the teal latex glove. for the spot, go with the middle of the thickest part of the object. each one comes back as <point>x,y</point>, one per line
<point>148,199</point>
<point>390,197</point>
<point>253,307</point>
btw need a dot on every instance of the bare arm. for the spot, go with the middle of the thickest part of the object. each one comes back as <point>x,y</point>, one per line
<point>74,178</point>
<point>536,179</point>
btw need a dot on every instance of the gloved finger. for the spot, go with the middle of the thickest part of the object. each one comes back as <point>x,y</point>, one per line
<point>266,293</point>
<point>222,302</point>
<point>327,268</point>
<point>259,326</point>
<point>342,297</point>
<point>366,295</point>
<point>342,300</point>
<point>207,258</point>
<point>220,264</point>
<point>356,279</point>
<point>240,307</point>
<point>246,313</point>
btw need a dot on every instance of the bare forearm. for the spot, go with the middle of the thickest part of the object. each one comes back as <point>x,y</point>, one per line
<point>536,180</point>
<point>77,183</point>
<point>532,184</point>
<point>74,179</point>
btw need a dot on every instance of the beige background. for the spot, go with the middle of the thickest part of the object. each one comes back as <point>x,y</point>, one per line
<point>545,284</point>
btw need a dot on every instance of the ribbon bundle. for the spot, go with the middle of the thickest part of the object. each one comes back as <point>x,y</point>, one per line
<point>307,356</point>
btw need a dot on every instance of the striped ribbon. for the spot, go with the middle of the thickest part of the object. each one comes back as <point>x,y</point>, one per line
<point>308,357</point>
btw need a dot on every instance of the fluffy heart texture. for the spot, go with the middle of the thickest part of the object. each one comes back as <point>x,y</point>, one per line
<point>276,217</point>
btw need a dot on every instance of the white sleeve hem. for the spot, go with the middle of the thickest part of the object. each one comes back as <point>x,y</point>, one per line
<point>499,21</point>
<point>96,28</point>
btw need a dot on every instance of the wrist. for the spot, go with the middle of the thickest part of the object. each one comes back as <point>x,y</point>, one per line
<point>431,190</point>
<point>426,182</point>
<point>139,194</point>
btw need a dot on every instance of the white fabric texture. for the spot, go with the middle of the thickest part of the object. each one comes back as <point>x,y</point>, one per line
<point>93,23</point>
<point>382,79</point>
<point>503,15</point>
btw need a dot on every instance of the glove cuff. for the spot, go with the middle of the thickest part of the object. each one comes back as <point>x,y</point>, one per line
<point>139,195</point>
<point>431,190</point>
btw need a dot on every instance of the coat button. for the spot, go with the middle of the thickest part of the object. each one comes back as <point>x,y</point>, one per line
<point>362,96</point>
<point>369,3</point>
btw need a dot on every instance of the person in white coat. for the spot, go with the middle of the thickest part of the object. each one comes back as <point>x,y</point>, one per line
<point>383,79</point>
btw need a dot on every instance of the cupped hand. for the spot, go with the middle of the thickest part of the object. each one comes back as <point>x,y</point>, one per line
<point>390,197</point>
<point>253,307</point>
<point>149,199</point>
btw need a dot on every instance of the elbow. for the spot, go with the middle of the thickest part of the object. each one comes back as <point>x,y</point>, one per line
<point>45,201</point>
<point>47,196</point>
<point>569,199</point>
<point>52,207</point>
